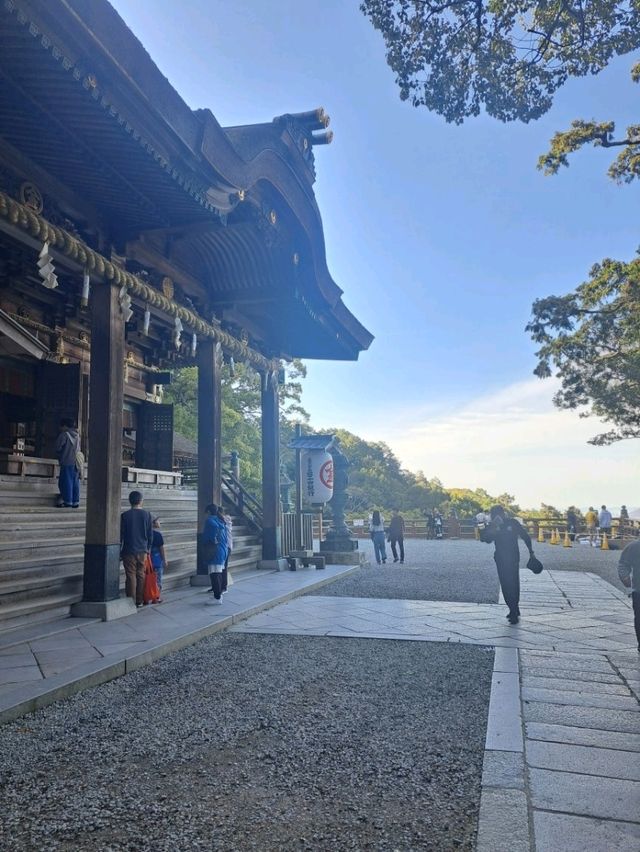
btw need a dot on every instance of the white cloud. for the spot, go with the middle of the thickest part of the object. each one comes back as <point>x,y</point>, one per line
<point>515,440</point>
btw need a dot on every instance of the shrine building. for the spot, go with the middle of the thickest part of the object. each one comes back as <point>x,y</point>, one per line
<point>138,236</point>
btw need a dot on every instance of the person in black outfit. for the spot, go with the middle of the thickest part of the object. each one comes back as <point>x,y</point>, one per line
<point>504,532</point>
<point>572,523</point>
<point>395,535</point>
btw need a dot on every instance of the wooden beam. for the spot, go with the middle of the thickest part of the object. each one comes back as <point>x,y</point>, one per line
<point>147,255</point>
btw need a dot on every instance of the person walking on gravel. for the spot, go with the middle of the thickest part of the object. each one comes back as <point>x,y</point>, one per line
<point>136,539</point>
<point>377,533</point>
<point>504,532</point>
<point>629,573</point>
<point>396,535</point>
<point>215,542</point>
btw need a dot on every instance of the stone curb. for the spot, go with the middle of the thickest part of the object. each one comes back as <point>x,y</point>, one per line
<point>503,822</point>
<point>29,697</point>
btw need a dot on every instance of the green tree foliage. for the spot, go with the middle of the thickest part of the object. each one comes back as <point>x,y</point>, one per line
<point>240,412</point>
<point>377,480</point>
<point>591,337</point>
<point>468,502</point>
<point>508,57</point>
<point>625,167</point>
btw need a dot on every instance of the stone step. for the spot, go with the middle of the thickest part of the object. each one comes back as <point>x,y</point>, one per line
<point>18,591</point>
<point>31,543</point>
<point>42,547</point>
<point>35,610</point>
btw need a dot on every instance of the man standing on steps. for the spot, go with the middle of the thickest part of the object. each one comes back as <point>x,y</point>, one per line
<point>504,532</point>
<point>136,538</point>
<point>67,447</point>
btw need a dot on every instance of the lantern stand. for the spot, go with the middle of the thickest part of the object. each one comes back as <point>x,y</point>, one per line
<point>315,484</point>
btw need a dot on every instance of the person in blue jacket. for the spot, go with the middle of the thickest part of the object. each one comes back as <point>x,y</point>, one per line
<point>216,549</point>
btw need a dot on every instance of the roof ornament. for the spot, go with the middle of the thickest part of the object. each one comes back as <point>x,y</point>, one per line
<point>46,269</point>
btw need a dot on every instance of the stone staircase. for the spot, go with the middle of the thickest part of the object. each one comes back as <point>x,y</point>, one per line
<point>42,547</point>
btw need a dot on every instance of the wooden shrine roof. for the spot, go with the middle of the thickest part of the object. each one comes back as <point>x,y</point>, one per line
<point>83,104</point>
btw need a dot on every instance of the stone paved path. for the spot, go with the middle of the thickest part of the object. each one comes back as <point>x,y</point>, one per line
<point>44,662</point>
<point>562,753</point>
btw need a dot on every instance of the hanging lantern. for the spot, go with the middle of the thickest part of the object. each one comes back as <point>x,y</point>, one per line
<point>46,268</point>
<point>86,288</point>
<point>194,344</point>
<point>232,367</point>
<point>146,322</point>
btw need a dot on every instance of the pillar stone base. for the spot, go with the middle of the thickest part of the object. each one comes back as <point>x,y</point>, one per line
<point>345,557</point>
<point>338,543</point>
<point>273,564</point>
<point>105,610</point>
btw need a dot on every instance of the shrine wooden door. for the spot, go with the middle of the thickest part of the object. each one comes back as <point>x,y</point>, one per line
<point>154,436</point>
<point>58,394</point>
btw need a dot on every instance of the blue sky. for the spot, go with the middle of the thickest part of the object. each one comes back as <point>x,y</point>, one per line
<point>441,237</point>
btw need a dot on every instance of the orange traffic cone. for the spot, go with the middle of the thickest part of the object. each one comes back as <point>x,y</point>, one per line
<point>540,535</point>
<point>567,540</point>
<point>555,537</point>
<point>605,542</point>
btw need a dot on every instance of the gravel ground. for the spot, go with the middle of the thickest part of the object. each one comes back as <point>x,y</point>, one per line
<point>249,742</point>
<point>433,571</point>
<point>460,570</point>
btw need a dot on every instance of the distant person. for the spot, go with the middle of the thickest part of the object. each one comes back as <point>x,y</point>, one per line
<point>429,525</point>
<point>438,525</point>
<point>504,532</point>
<point>572,523</point>
<point>158,557</point>
<point>215,543</point>
<point>396,535</point>
<point>605,520</point>
<point>377,533</point>
<point>624,513</point>
<point>591,520</point>
<point>629,573</point>
<point>67,449</point>
<point>136,539</point>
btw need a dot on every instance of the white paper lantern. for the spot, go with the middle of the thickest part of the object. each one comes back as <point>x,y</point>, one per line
<point>317,476</point>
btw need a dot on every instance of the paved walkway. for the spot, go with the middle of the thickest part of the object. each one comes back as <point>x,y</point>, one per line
<point>562,753</point>
<point>46,662</point>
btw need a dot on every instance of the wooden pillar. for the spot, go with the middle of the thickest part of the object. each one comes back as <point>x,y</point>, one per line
<point>209,434</point>
<point>271,534</point>
<point>101,586</point>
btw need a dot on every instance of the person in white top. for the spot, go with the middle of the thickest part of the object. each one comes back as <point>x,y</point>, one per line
<point>376,531</point>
